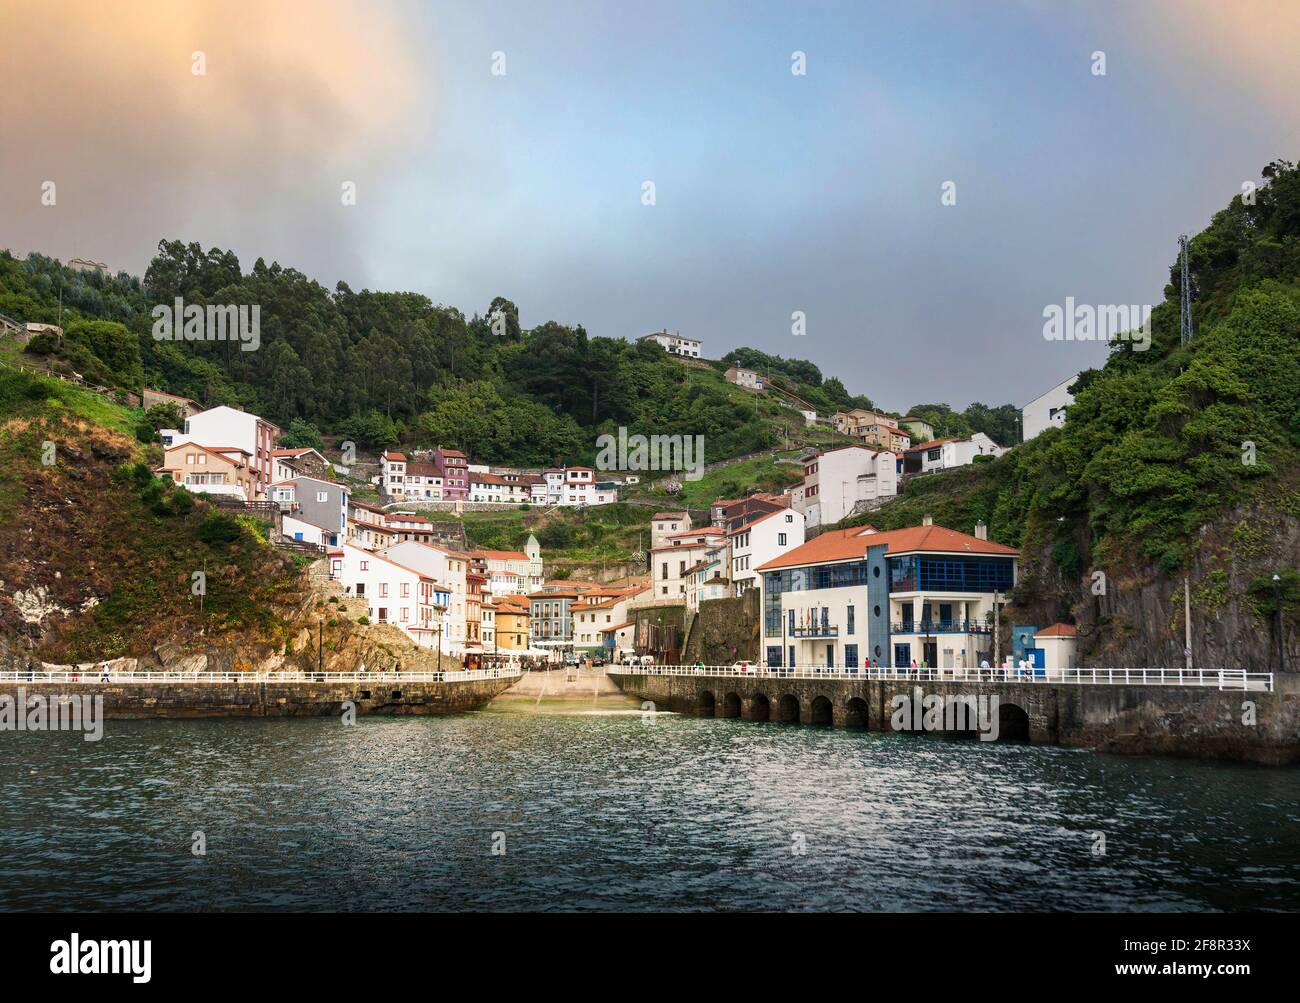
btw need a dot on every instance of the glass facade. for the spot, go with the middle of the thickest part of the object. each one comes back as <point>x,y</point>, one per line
<point>919,573</point>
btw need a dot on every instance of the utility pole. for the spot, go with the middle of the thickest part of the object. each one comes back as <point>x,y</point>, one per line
<point>1187,621</point>
<point>997,629</point>
<point>1186,276</point>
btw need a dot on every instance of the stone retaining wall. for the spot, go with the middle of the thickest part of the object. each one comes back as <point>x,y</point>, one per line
<point>1165,720</point>
<point>391,696</point>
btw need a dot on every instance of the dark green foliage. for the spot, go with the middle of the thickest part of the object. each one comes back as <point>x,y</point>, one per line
<point>43,344</point>
<point>301,435</point>
<point>218,529</point>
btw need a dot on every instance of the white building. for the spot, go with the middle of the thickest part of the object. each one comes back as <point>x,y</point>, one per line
<point>512,572</point>
<point>407,480</point>
<point>836,480</point>
<point>944,454</point>
<point>577,486</point>
<point>448,567</point>
<point>223,426</point>
<point>1046,410</point>
<point>1059,643</point>
<point>394,593</point>
<point>664,524</point>
<point>671,562</point>
<point>675,344</point>
<point>923,594</point>
<point>603,624</point>
<point>708,579</point>
<point>765,539</point>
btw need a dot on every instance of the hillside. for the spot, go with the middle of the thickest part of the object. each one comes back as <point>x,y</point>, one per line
<point>1180,461</point>
<point>385,369</point>
<point>97,555</point>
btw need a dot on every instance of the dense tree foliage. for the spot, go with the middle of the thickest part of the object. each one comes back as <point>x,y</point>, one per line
<point>382,369</point>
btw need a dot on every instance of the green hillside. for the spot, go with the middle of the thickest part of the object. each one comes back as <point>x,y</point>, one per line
<point>1160,444</point>
<point>97,555</point>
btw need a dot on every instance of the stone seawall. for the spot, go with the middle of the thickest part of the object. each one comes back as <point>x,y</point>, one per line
<point>1155,720</point>
<point>127,701</point>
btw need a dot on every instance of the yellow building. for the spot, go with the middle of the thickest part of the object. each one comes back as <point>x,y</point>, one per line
<point>512,623</point>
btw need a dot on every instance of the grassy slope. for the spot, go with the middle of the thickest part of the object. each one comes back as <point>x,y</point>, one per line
<point>83,531</point>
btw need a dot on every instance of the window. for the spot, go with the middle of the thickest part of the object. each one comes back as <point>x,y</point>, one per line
<point>789,518</point>
<point>851,656</point>
<point>365,565</point>
<point>403,616</point>
<point>322,496</point>
<point>848,622</point>
<point>383,614</point>
<point>780,539</point>
<point>406,589</point>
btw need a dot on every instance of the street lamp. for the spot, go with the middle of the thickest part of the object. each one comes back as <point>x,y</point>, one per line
<point>320,647</point>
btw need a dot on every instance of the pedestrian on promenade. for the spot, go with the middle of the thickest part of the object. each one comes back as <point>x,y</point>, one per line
<point>31,669</point>
<point>104,677</point>
<point>397,669</point>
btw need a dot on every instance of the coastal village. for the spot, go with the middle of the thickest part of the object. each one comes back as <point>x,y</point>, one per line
<point>927,596</point>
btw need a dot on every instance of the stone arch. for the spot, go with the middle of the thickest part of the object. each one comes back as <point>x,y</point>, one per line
<point>760,708</point>
<point>822,711</point>
<point>706,704</point>
<point>787,709</point>
<point>1013,723</point>
<point>731,705</point>
<point>855,713</point>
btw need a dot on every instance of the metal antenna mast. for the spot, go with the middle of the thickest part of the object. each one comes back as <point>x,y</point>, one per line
<point>1187,332</point>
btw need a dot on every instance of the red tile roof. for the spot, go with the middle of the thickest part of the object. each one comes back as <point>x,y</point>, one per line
<point>1059,630</point>
<point>396,457</point>
<point>852,544</point>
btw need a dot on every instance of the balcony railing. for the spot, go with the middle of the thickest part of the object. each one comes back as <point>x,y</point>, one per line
<point>816,630</point>
<point>941,627</point>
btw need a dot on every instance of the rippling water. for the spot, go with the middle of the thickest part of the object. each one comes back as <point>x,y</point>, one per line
<point>607,812</point>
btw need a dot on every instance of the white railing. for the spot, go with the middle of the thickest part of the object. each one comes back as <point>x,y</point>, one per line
<point>1235,679</point>
<point>92,675</point>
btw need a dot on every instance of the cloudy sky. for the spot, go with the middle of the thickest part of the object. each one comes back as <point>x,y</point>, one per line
<point>774,192</point>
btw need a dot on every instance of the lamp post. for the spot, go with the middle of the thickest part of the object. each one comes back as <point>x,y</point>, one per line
<point>320,647</point>
<point>1277,605</point>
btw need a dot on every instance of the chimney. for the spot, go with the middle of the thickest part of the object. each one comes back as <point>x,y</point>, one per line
<point>927,519</point>
<point>981,530</point>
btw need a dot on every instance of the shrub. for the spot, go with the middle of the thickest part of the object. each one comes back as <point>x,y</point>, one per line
<point>363,620</point>
<point>43,344</point>
<point>218,529</point>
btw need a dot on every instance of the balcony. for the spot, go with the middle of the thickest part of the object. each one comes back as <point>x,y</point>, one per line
<point>942,627</point>
<point>816,630</point>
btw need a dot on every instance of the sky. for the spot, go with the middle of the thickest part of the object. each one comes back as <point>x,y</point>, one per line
<point>774,192</point>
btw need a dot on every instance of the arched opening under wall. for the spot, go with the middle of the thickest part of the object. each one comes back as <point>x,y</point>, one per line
<point>855,713</point>
<point>788,709</point>
<point>731,705</point>
<point>760,709</point>
<point>822,712</point>
<point>705,705</point>
<point>1013,723</point>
